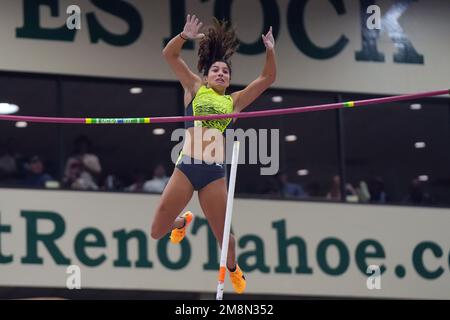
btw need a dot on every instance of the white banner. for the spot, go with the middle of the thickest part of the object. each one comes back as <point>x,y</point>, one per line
<point>349,46</point>
<point>284,247</point>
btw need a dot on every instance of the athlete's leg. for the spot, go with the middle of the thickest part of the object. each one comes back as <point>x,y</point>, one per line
<point>213,200</point>
<point>174,199</point>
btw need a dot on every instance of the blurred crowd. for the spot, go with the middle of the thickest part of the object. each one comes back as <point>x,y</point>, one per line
<point>83,171</point>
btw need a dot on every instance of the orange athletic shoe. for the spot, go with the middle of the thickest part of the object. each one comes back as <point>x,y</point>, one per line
<point>238,280</point>
<point>178,234</point>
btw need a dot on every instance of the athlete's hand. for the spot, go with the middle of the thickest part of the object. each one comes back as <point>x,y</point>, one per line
<point>269,40</point>
<point>191,28</point>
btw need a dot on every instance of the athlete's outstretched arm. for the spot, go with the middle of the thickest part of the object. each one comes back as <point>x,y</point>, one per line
<point>171,53</point>
<point>245,97</point>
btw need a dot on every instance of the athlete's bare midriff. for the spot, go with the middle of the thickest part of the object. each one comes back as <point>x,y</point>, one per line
<point>204,144</point>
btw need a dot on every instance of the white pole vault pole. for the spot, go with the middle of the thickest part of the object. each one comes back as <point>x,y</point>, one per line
<point>228,218</point>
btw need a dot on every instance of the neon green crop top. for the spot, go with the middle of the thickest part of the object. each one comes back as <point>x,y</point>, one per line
<point>207,102</point>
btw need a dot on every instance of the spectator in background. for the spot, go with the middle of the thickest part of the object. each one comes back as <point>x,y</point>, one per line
<point>335,191</point>
<point>289,189</point>
<point>363,192</point>
<point>90,162</point>
<point>417,194</point>
<point>78,178</point>
<point>36,176</point>
<point>377,191</point>
<point>8,165</point>
<point>112,183</point>
<point>139,179</point>
<point>159,181</point>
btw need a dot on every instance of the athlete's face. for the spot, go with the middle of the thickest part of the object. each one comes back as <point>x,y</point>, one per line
<point>218,76</point>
